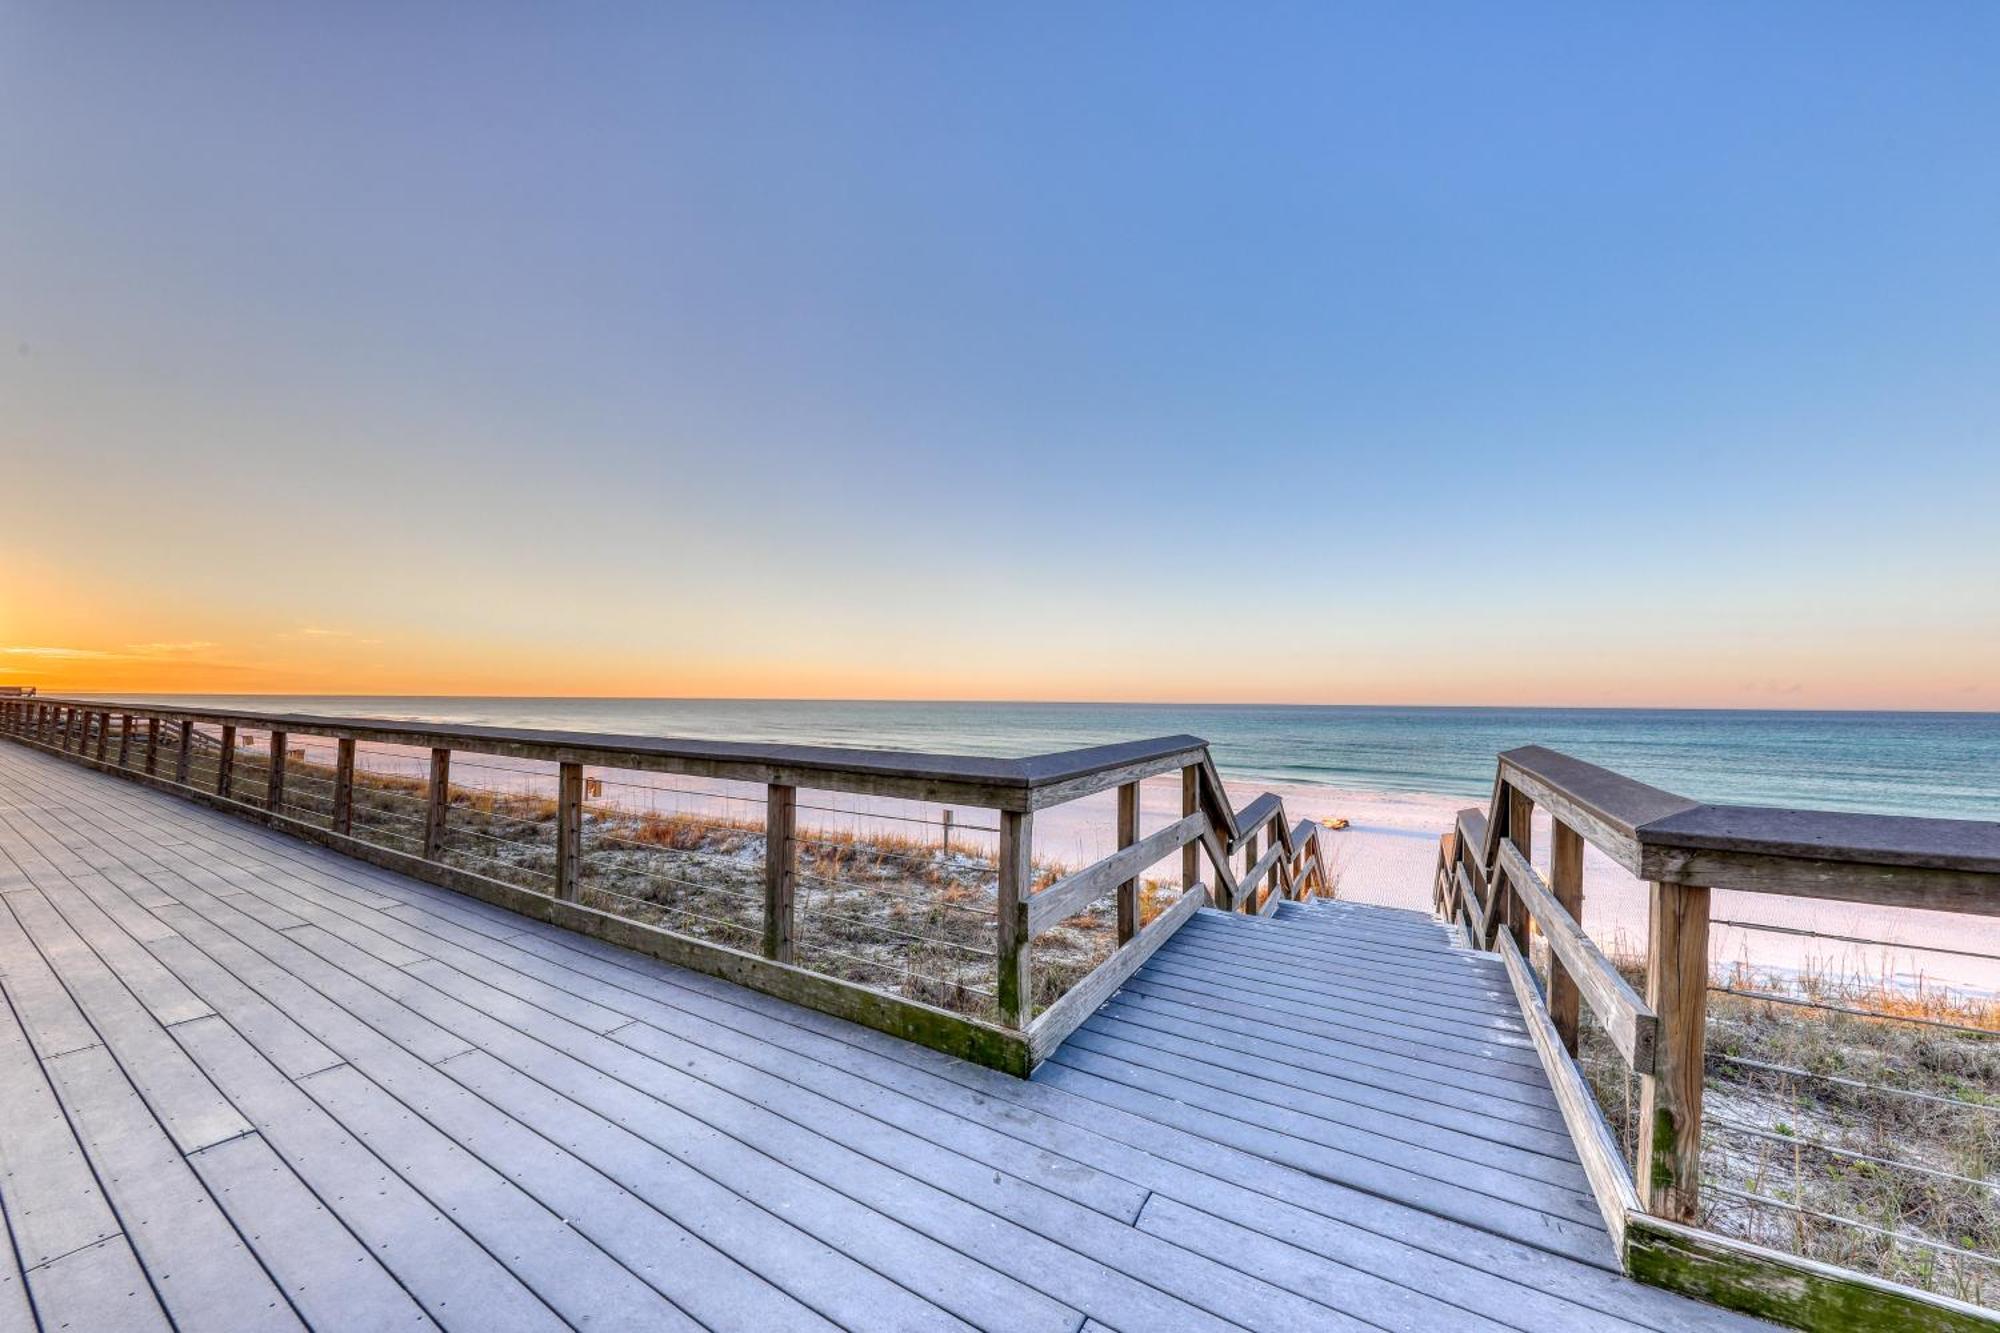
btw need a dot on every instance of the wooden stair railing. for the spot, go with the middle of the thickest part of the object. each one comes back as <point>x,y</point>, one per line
<point>1281,862</point>
<point>1486,883</point>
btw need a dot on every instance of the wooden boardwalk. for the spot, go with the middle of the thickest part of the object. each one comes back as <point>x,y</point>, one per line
<point>252,1084</point>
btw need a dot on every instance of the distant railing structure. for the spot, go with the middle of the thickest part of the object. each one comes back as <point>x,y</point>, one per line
<point>701,852</point>
<point>1487,883</point>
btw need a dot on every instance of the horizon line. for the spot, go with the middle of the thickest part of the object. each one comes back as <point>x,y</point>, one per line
<point>1016,701</point>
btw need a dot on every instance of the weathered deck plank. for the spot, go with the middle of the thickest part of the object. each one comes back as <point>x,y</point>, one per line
<point>449,1114</point>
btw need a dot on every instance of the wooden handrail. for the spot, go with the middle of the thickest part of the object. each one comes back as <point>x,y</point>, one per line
<point>1681,847</point>
<point>1890,860</point>
<point>1627,1020</point>
<point>1252,818</point>
<point>1291,863</point>
<point>1031,783</point>
<point>1071,894</point>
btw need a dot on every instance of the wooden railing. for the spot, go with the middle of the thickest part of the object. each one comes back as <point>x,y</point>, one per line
<point>1682,848</point>
<point>159,745</point>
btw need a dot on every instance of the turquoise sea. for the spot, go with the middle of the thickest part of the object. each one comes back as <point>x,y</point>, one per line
<point>1944,764</point>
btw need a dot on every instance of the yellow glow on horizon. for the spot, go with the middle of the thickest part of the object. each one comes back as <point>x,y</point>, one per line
<point>63,632</point>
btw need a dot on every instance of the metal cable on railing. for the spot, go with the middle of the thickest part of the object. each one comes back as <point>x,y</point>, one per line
<point>1816,1145</point>
<point>1859,1085</point>
<point>1850,1011</point>
<point>1922,1242</point>
<point>1854,939</point>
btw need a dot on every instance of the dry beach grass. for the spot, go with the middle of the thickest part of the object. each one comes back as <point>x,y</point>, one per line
<point>1851,1119</point>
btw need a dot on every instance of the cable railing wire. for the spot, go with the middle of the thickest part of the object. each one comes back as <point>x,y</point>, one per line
<point>1858,1084</point>
<point>1854,939</point>
<point>1815,1145</point>
<point>1924,1242</point>
<point>1851,1011</point>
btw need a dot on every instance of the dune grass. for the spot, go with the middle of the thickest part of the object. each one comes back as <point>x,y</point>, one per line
<point>1868,1142</point>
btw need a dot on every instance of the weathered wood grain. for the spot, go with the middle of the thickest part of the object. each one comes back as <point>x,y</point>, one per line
<point>437,802</point>
<point>1055,1023</point>
<point>1252,818</point>
<point>1566,884</point>
<point>1128,888</point>
<point>343,787</point>
<point>225,761</point>
<point>1071,894</point>
<point>1670,1097</point>
<point>1597,1150</point>
<point>274,777</point>
<point>1016,993</point>
<point>569,830</point>
<point>781,868</point>
<point>1628,1020</point>
<point>1785,1288</point>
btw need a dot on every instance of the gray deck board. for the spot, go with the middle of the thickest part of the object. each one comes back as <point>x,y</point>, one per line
<point>204,1273</point>
<point>15,1310</point>
<point>54,1204</point>
<point>326,1273</point>
<point>379,1104</point>
<point>413,1241</point>
<point>99,1287</point>
<point>1355,1075</point>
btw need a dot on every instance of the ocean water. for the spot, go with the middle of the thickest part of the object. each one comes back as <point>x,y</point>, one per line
<point>1940,764</point>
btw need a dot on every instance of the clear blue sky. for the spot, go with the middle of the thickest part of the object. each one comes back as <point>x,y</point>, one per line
<point>1456,353</point>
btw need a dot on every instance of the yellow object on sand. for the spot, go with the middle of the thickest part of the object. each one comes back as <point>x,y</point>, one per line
<point>1332,821</point>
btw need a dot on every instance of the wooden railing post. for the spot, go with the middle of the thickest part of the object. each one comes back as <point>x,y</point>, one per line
<point>1566,883</point>
<point>343,785</point>
<point>1520,831</point>
<point>225,759</point>
<point>186,756</point>
<point>569,830</point>
<point>62,733</point>
<point>945,838</point>
<point>781,868</point>
<point>1191,854</point>
<point>124,740</point>
<point>1670,1096</point>
<point>1016,988</point>
<point>1250,855</point>
<point>274,789</point>
<point>439,802</point>
<point>1128,833</point>
<point>152,744</point>
<point>103,734</point>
